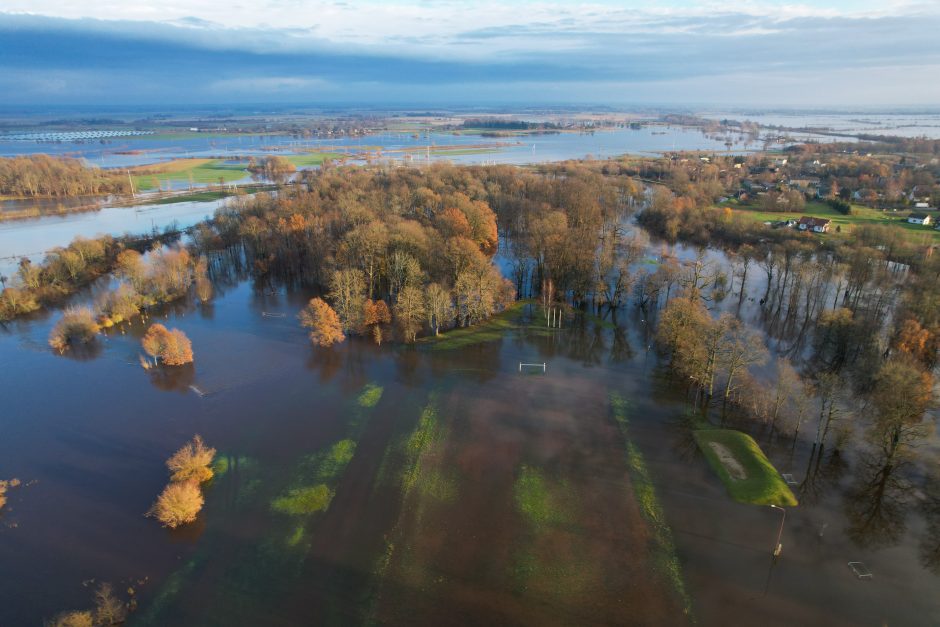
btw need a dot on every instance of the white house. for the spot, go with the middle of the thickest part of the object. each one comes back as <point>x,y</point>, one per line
<point>919,218</point>
<point>816,225</point>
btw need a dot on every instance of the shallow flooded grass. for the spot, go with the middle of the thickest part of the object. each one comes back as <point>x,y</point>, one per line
<point>665,557</point>
<point>535,501</point>
<point>513,318</point>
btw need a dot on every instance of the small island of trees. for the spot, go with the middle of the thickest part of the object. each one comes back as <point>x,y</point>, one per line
<point>182,500</point>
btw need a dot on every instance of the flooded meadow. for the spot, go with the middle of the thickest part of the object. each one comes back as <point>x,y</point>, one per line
<point>441,484</point>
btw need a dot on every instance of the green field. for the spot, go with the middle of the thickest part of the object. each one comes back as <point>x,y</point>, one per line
<point>744,469</point>
<point>199,171</point>
<point>860,216</point>
<point>312,159</point>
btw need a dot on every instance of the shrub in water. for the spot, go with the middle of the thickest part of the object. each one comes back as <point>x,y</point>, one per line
<point>77,326</point>
<point>178,504</point>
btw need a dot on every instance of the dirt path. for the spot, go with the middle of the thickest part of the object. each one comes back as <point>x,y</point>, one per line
<point>732,465</point>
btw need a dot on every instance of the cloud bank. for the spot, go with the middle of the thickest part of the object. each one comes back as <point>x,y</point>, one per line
<point>451,52</point>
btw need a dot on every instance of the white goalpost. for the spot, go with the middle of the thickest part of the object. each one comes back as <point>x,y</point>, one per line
<point>533,366</point>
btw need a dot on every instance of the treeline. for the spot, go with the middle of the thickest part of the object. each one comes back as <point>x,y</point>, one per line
<point>160,275</point>
<point>508,125</point>
<point>42,175</point>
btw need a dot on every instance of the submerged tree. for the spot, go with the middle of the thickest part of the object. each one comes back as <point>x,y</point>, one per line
<point>77,326</point>
<point>901,394</point>
<point>178,504</point>
<point>374,316</point>
<point>73,619</point>
<point>192,462</point>
<point>325,326</point>
<point>169,346</point>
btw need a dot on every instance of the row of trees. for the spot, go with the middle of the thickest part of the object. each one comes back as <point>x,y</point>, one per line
<point>42,175</point>
<point>164,276</point>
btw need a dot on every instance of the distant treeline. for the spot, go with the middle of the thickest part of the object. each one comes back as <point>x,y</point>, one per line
<point>508,125</point>
<point>42,175</point>
<point>875,144</point>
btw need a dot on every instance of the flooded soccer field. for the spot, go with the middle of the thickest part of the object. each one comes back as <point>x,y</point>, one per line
<point>413,485</point>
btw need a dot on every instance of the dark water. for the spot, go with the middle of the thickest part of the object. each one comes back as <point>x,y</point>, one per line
<point>475,494</point>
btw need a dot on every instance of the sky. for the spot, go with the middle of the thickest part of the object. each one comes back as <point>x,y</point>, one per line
<point>769,53</point>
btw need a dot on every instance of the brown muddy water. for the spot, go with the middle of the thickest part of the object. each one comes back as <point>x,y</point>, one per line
<point>456,490</point>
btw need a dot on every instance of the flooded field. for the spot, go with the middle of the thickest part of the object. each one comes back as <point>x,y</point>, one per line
<point>418,485</point>
<point>521,149</point>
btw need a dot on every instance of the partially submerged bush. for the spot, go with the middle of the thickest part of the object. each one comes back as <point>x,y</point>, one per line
<point>178,504</point>
<point>181,500</point>
<point>169,346</point>
<point>77,326</point>
<point>73,619</point>
<point>193,462</point>
<point>109,610</point>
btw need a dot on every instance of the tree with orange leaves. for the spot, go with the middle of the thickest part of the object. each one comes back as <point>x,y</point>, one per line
<point>325,327</point>
<point>374,315</point>
<point>170,346</point>
<point>918,342</point>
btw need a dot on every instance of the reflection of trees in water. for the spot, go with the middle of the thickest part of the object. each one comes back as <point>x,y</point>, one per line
<point>822,474</point>
<point>930,543</point>
<point>877,504</point>
<point>327,361</point>
<point>477,362</point>
<point>620,349</point>
<point>83,352</point>
<point>173,378</point>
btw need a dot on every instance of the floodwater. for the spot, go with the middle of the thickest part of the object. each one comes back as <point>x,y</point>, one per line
<point>920,124</point>
<point>513,149</point>
<point>33,237</point>
<point>469,492</point>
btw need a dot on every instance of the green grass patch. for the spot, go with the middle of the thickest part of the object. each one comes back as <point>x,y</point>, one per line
<point>861,215</point>
<point>304,501</point>
<point>510,319</point>
<point>664,555</point>
<point>535,501</point>
<point>313,159</point>
<point>426,434</point>
<point>744,469</point>
<point>199,171</point>
<point>370,395</point>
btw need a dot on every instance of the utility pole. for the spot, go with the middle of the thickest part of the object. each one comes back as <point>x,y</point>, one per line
<point>778,547</point>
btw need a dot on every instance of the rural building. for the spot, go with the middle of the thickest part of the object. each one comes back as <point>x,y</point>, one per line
<point>919,218</point>
<point>816,225</point>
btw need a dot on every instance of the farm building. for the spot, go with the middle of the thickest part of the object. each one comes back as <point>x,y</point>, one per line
<point>816,225</point>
